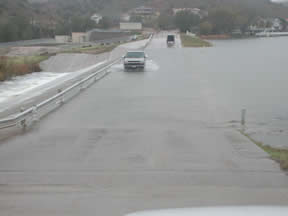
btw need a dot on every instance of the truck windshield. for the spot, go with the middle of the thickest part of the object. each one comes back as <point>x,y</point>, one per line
<point>135,55</point>
<point>170,38</point>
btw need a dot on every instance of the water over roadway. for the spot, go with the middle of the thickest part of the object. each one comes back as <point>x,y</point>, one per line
<point>137,141</point>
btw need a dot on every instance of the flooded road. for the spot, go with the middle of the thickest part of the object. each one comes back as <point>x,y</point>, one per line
<point>255,72</point>
<point>141,140</point>
<point>248,74</point>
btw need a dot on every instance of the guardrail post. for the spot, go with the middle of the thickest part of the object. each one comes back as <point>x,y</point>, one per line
<point>23,124</point>
<point>62,97</point>
<point>243,118</point>
<point>81,87</point>
<point>34,114</point>
<point>62,100</point>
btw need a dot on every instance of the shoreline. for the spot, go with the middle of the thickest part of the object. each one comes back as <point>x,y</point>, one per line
<point>194,41</point>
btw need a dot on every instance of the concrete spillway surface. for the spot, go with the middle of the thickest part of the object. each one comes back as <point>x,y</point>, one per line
<point>21,84</point>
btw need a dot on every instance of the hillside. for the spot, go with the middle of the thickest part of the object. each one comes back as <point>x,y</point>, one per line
<point>22,8</point>
<point>111,8</point>
<point>260,7</point>
<point>53,9</point>
<point>28,19</point>
<point>13,8</point>
<point>20,20</point>
<point>116,7</point>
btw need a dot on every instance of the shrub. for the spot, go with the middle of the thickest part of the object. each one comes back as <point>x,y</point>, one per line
<point>3,68</point>
<point>10,67</point>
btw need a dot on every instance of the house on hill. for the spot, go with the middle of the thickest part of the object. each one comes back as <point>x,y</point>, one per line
<point>195,11</point>
<point>131,26</point>
<point>143,11</point>
<point>96,18</point>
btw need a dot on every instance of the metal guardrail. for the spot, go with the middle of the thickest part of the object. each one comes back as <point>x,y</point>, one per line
<point>27,117</point>
<point>32,114</point>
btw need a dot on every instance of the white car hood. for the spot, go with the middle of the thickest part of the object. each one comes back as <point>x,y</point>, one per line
<point>218,211</point>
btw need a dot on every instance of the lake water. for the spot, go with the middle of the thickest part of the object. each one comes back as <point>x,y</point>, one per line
<point>250,74</point>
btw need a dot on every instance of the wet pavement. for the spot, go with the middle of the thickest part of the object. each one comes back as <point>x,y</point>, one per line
<point>137,141</point>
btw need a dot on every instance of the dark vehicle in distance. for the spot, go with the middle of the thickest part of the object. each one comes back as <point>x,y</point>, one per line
<point>170,40</point>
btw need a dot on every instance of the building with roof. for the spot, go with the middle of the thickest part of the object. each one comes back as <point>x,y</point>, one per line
<point>195,11</point>
<point>131,26</point>
<point>143,11</point>
<point>79,37</point>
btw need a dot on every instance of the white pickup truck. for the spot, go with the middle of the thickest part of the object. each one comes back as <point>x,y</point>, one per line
<point>134,60</point>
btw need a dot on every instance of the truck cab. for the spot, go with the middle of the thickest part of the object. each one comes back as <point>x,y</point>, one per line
<point>170,40</point>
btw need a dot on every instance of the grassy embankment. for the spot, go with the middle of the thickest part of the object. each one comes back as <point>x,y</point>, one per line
<point>15,66</point>
<point>97,49</point>
<point>277,154</point>
<point>190,41</point>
